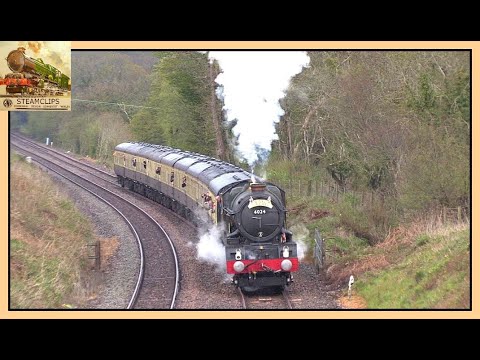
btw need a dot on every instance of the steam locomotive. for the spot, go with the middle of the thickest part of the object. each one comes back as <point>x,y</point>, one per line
<point>259,250</point>
<point>33,77</point>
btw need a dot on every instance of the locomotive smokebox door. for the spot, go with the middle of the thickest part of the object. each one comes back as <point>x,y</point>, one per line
<point>16,60</point>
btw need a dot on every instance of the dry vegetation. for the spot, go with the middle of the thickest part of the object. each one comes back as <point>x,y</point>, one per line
<point>108,248</point>
<point>352,302</point>
<point>48,238</point>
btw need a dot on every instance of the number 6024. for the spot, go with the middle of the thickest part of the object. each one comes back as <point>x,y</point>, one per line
<point>259,211</point>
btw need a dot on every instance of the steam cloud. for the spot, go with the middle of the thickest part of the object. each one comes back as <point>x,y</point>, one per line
<point>210,248</point>
<point>56,53</point>
<point>252,84</point>
<point>300,236</point>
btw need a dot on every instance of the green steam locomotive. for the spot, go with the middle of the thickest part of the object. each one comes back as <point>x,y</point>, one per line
<point>33,77</point>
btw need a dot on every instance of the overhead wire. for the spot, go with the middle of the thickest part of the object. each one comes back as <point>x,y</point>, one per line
<point>118,104</point>
<point>122,105</point>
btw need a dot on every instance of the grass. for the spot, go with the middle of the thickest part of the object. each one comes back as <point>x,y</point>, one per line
<point>434,274</point>
<point>48,239</point>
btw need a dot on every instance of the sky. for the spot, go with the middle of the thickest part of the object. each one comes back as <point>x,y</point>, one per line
<point>252,83</point>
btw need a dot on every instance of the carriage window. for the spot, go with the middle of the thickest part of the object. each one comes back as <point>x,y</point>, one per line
<point>184,181</point>
<point>158,170</point>
<point>134,162</point>
<point>144,164</point>
<point>172,176</point>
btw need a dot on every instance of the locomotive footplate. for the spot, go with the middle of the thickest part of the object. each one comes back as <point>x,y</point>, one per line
<point>260,280</point>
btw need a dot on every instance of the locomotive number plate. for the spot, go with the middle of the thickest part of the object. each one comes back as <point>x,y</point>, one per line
<point>259,211</point>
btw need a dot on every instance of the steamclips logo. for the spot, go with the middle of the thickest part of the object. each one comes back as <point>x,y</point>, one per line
<point>35,75</point>
<point>7,103</point>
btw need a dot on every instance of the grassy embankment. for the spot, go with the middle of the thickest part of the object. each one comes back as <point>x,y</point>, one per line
<point>48,238</point>
<point>422,265</point>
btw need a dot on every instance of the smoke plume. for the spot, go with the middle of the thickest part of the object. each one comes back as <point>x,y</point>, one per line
<point>56,53</point>
<point>252,83</point>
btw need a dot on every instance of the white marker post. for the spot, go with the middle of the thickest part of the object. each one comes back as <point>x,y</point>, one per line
<point>48,139</point>
<point>350,283</point>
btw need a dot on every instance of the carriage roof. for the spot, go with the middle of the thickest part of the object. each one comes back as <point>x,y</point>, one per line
<point>216,174</point>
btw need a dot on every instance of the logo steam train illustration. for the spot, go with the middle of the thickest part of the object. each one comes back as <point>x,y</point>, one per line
<point>33,77</point>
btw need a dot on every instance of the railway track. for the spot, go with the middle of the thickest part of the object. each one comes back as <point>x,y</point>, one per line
<point>158,277</point>
<point>265,300</point>
<point>99,173</point>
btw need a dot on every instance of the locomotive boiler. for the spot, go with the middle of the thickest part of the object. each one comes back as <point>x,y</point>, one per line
<point>259,250</point>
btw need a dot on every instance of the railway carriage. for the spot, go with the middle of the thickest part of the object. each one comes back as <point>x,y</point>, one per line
<point>260,251</point>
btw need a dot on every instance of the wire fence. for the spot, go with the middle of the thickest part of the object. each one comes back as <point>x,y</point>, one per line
<point>300,187</point>
<point>327,189</point>
<point>360,199</point>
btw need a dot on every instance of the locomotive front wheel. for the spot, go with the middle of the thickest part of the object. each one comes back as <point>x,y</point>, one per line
<point>249,289</point>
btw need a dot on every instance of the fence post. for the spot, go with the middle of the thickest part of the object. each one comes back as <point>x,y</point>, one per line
<point>97,254</point>
<point>319,251</point>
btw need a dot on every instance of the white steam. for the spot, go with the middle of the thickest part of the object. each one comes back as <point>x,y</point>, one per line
<point>301,237</point>
<point>210,248</point>
<point>253,82</point>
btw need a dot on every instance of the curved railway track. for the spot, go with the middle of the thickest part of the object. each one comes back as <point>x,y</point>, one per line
<point>158,278</point>
<point>101,174</point>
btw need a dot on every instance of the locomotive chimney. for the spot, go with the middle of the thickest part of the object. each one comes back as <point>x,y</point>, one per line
<point>256,186</point>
